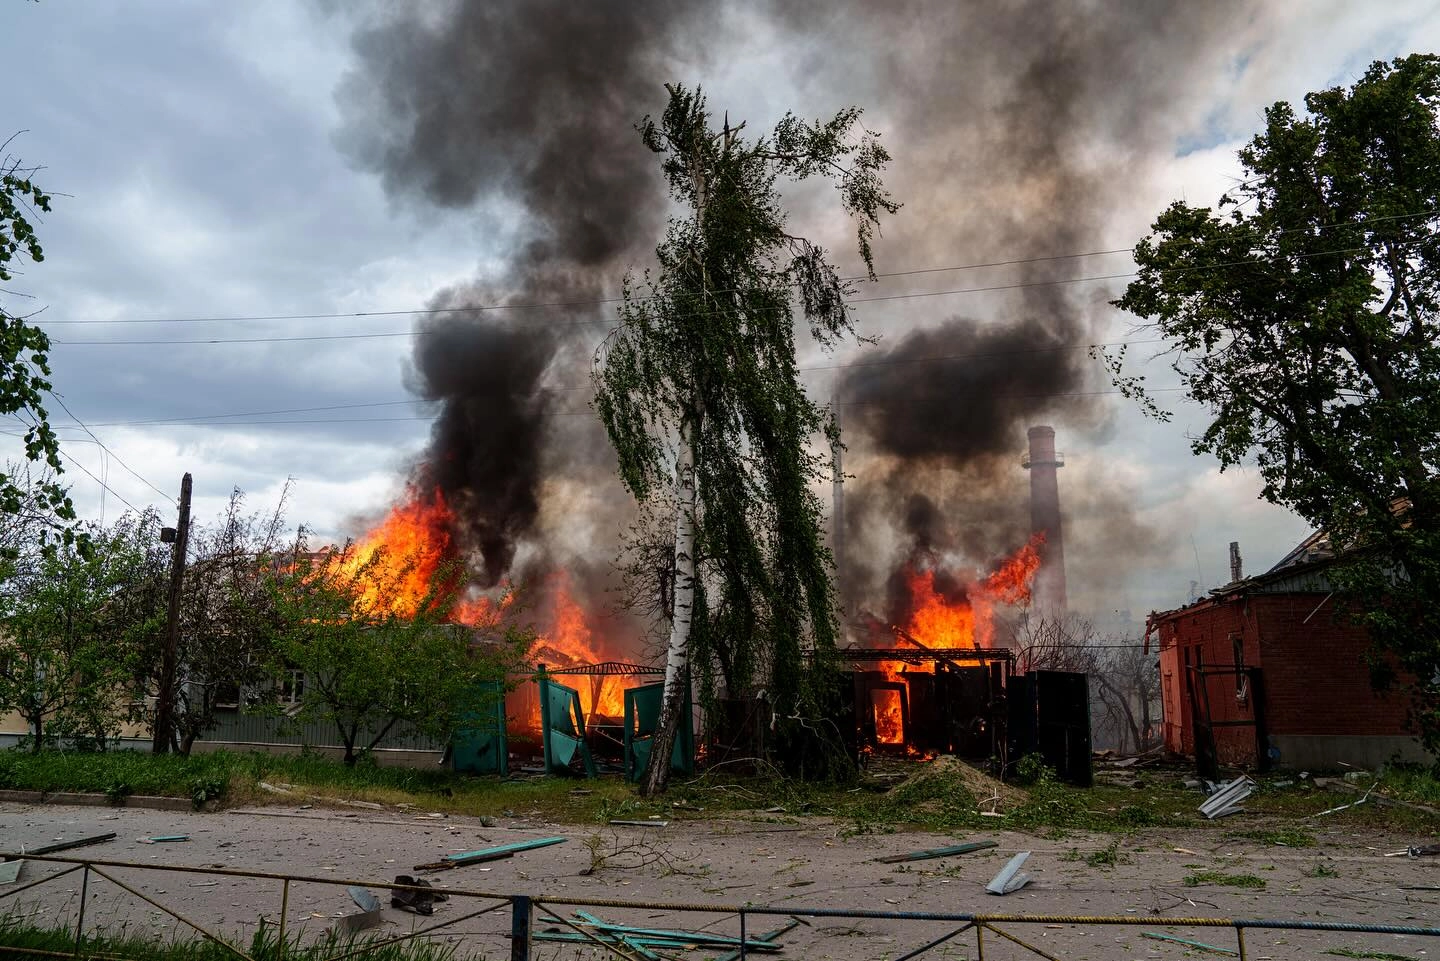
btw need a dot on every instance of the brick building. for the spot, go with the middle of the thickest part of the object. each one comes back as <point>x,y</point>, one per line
<point>1268,669</point>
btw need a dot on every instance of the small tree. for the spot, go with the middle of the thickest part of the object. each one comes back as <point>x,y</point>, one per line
<point>1304,316</point>
<point>704,364</point>
<point>365,668</point>
<point>73,623</point>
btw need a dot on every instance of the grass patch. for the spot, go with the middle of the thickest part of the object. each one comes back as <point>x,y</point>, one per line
<point>1248,881</point>
<point>1322,871</point>
<point>19,937</point>
<point>1285,837</point>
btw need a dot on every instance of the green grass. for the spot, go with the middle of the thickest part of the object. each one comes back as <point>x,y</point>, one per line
<point>1322,871</point>
<point>18,936</point>
<point>1248,881</point>
<point>866,806</point>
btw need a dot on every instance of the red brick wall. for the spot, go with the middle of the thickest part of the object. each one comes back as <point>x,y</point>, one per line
<point>1315,680</point>
<point>1205,637</point>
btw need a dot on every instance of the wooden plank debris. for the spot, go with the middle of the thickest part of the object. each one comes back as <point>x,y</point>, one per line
<point>1010,879</point>
<point>65,845</point>
<point>1153,936</point>
<point>486,854</point>
<point>966,848</point>
<point>619,822</point>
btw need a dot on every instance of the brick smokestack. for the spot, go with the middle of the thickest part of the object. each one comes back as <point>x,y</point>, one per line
<point>1042,462</point>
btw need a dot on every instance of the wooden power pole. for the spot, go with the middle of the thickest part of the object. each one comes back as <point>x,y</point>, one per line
<point>165,703</point>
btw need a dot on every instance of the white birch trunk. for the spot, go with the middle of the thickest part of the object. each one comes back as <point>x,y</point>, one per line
<point>677,655</point>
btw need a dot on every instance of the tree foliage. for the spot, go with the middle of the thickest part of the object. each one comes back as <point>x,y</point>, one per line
<point>370,671</point>
<point>74,621</point>
<point>702,370</point>
<point>1303,315</point>
<point>24,352</point>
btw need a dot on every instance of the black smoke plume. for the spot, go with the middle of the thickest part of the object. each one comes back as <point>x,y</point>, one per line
<point>523,110</point>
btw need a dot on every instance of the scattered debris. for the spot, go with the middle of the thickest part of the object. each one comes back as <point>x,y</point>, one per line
<point>1423,851</point>
<point>164,838</point>
<point>777,809</point>
<point>204,884</point>
<point>367,805</point>
<point>59,846</point>
<point>1010,877</point>
<point>640,940</point>
<point>937,852</point>
<point>640,824</point>
<point>273,788</point>
<point>1363,798</point>
<point>363,899</point>
<point>412,894</point>
<point>1336,784</point>
<point>1189,944</point>
<point>1193,854</point>
<point>769,937</point>
<point>486,854</point>
<point>1226,799</point>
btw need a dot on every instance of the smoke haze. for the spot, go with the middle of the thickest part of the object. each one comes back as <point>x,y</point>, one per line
<point>1015,127</point>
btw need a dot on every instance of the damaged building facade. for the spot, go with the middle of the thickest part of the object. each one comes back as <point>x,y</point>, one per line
<point>1269,671</point>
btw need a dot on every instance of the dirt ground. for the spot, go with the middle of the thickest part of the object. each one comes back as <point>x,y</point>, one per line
<point>785,863</point>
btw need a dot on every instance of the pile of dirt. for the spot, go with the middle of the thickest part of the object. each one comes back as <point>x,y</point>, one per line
<point>949,775</point>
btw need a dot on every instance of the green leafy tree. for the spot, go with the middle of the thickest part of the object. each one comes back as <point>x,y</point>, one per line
<point>698,390</point>
<point>24,353</point>
<point>74,620</point>
<point>372,670</point>
<point>1303,315</point>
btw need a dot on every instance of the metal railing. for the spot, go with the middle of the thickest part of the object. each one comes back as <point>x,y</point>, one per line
<point>622,941</point>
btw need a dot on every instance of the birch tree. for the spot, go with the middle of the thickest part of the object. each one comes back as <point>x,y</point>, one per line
<point>698,390</point>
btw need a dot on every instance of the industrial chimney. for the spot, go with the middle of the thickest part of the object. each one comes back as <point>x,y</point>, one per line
<point>1048,599</point>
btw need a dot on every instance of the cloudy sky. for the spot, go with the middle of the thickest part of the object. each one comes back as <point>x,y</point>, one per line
<point>208,180</point>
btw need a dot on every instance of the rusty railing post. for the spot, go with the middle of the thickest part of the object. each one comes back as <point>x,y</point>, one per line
<point>84,893</point>
<point>520,928</point>
<point>742,933</point>
<point>1240,940</point>
<point>284,910</point>
<point>980,942</point>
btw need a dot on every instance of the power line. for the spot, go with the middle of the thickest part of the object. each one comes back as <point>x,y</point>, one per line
<point>597,302</point>
<point>104,486</point>
<point>544,305</point>
<point>855,300</point>
<point>107,450</point>
<point>197,418</point>
<point>558,413</point>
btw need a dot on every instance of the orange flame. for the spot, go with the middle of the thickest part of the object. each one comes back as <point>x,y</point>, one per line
<point>969,621</point>
<point>393,570</point>
<point>889,721</point>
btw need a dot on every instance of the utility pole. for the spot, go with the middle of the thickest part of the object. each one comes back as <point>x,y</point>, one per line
<point>165,703</point>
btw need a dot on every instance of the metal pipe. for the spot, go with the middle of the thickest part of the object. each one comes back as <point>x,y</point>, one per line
<point>936,943</point>
<point>84,894</point>
<point>284,912</point>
